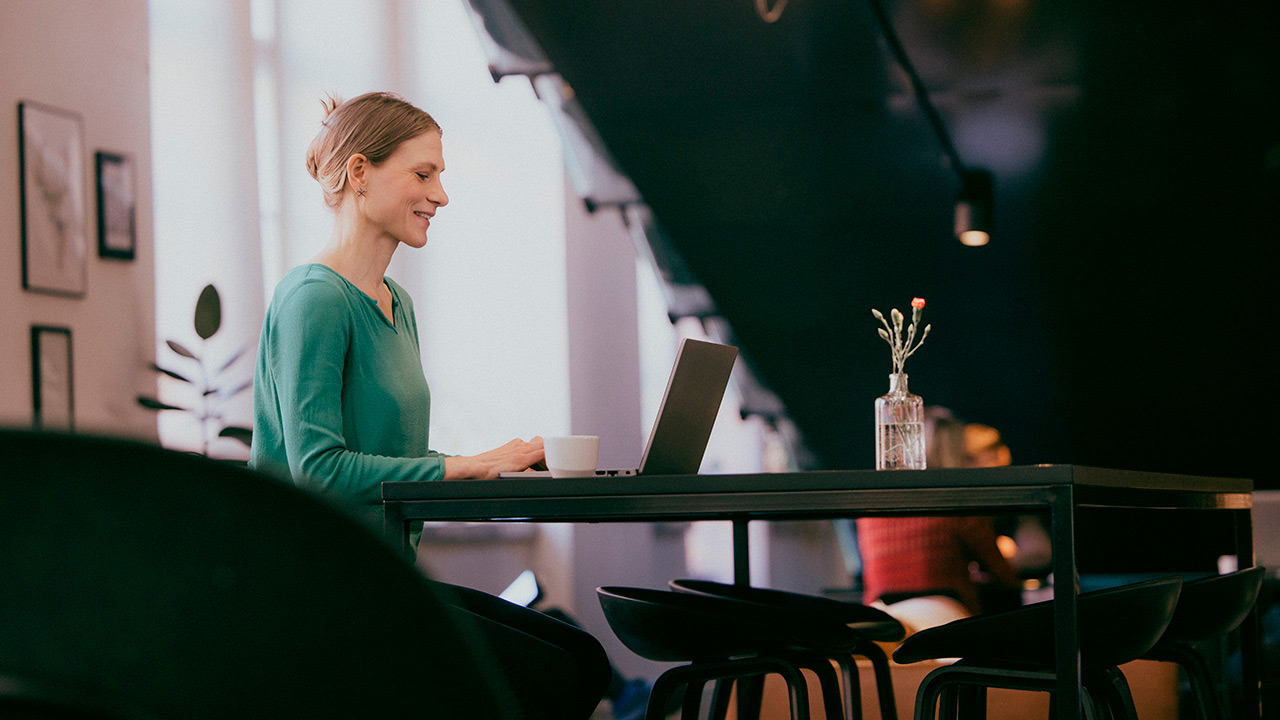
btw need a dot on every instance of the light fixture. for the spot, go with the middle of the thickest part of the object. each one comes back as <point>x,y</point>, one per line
<point>974,208</point>
<point>973,211</point>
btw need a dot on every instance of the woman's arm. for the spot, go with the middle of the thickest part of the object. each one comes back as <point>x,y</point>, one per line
<point>307,348</point>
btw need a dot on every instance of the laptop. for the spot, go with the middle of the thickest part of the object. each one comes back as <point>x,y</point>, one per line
<point>688,412</point>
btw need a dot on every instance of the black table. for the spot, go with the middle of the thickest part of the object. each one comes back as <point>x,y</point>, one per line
<point>1057,490</point>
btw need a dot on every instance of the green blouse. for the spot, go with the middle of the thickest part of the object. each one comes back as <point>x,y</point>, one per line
<point>340,403</point>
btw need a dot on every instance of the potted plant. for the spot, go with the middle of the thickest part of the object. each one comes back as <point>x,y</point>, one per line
<point>210,380</point>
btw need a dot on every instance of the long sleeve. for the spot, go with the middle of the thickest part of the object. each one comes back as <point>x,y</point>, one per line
<point>340,400</point>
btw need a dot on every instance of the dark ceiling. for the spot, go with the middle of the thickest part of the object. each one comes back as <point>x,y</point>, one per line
<point>1120,316</point>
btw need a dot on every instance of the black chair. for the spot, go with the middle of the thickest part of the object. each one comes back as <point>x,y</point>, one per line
<point>870,625</point>
<point>558,670</point>
<point>1208,609</point>
<point>25,697</point>
<point>1015,649</point>
<point>141,583</point>
<point>724,639</point>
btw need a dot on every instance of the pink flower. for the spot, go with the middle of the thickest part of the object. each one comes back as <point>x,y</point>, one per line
<point>902,344</point>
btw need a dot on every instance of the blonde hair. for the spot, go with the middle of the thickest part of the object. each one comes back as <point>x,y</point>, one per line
<point>373,125</point>
<point>954,443</point>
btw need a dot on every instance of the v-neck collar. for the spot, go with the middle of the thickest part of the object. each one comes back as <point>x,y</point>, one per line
<point>373,302</point>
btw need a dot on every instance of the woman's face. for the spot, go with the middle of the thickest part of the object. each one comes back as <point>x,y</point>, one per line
<point>984,447</point>
<point>404,192</point>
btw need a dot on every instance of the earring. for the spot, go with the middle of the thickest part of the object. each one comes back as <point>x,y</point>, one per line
<point>360,192</point>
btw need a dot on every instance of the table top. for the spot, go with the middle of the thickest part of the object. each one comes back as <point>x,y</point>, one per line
<point>811,494</point>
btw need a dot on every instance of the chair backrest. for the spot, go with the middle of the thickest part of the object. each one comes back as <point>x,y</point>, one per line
<point>1214,605</point>
<point>872,623</point>
<point>1115,626</point>
<point>669,626</point>
<point>189,588</point>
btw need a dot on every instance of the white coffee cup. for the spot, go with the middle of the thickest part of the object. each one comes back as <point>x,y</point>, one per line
<point>572,455</point>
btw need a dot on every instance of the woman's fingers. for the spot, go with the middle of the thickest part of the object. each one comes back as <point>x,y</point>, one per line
<point>517,454</point>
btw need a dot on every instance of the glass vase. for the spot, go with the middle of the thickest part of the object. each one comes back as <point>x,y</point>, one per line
<point>899,427</point>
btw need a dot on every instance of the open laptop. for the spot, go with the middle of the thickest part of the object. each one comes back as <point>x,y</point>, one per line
<point>688,412</point>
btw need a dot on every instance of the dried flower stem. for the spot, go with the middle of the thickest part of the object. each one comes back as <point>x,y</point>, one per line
<point>892,334</point>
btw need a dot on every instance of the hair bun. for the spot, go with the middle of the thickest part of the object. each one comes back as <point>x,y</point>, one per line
<point>329,103</point>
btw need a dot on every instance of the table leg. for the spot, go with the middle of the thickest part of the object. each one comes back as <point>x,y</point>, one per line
<point>1065,590</point>
<point>394,527</point>
<point>1250,631</point>
<point>741,552</point>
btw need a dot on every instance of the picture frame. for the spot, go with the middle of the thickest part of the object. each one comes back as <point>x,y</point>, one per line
<point>117,206</point>
<point>52,381</point>
<point>54,219</point>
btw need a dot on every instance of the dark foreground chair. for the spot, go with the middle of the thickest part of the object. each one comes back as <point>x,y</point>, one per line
<point>1015,650</point>
<point>28,698</point>
<point>724,639</point>
<point>869,624</point>
<point>557,670</point>
<point>1208,609</point>
<point>141,583</point>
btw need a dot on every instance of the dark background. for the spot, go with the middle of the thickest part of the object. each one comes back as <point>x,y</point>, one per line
<point>1123,314</point>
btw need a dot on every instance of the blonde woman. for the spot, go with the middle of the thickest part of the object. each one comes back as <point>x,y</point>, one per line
<point>341,404</point>
<point>927,571</point>
<point>340,400</point>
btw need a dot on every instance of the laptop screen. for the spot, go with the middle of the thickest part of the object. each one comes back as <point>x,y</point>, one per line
<point>689,408</point>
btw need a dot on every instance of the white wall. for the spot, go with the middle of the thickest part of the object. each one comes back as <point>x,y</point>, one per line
<point>89,57</point>
<point>491,302</point>
<point>206,205</point>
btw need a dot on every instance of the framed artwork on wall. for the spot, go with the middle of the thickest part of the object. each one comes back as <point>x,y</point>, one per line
<point>52,396</point>
<point>117,206</point>
<point>51,156</point>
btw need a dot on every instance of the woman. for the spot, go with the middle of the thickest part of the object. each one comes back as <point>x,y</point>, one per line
<point>340,401</point>
<point>931,570</point>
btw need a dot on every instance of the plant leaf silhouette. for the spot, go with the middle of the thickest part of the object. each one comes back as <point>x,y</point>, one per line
<point>243,434</point>
<point>172,374</point>
<point>154,404</point>
<point>208,312</point>
<point>181,350</point>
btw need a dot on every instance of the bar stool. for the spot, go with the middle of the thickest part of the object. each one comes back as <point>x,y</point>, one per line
<point>1208,609</point>
<point>724,639</point>
<point>869,624</point>
<point>1015,649</point>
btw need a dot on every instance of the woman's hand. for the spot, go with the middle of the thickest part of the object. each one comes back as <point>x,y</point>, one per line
<point>515,456</point>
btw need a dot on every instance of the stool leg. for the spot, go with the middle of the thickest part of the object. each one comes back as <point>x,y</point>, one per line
<point>828,684</point>
<point>797,690</point>
<point>928,694</point>
<point>949,703</point>
<point>952,684</point>
<point>660,694</point>
<point>1109,690</point>
<point>720,699</point>
<point>852,686</point>
<point>1199,677</point>
<point>884,680</point>
<point>971,702</point>
<point>692,707</point>
<point>750,692</point>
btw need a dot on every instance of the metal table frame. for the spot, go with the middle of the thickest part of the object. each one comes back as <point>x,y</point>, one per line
<point>1058,490</point>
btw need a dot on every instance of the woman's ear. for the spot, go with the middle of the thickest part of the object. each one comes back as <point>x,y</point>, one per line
<point>357,167</point>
